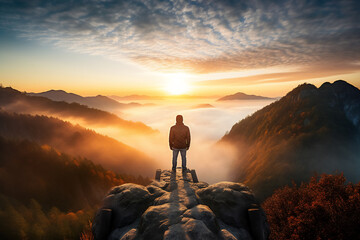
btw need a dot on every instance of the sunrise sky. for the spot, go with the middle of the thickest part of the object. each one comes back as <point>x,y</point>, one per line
<point>201,48</point>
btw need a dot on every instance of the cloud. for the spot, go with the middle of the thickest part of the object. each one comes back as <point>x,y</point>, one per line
<point>197,36</point>
<point>319,70</point>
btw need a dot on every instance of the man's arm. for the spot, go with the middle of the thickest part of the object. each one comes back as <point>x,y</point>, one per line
<point>171,138</point>
<point>188,137</point>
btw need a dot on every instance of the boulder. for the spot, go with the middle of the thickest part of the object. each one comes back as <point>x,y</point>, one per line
<point>226,235</point>
<point>125,232</point>
<point>157,219</point>
<point>127,202</point>
<point>176,232</point>
<point>228,232</point>
<point>229,201</point>
<point>204,214</point>
<point>130,235</point>
<point>196,229</point>
<point>155,191</point>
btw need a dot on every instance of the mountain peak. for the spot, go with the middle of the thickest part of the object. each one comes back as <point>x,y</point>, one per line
<point>302,91</point>
<point>58,95</point>
<point>325,85</point>
<point>99,101</point>
<point>343,82</point>
<point>345,87</point>
<point>55,91</point>
<point>337,84</point>
<point>242,96</point>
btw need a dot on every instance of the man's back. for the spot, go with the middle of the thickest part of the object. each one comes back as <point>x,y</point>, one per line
<point>179,136</point>
<point>179,141</point>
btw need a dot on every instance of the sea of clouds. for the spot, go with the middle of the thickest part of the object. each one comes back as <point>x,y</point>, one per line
<point>207,125</point>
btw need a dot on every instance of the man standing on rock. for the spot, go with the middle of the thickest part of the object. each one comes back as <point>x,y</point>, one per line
<point>179,141</point>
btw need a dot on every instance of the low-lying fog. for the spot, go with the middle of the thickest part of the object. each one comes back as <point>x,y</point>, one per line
<point>207,126</point>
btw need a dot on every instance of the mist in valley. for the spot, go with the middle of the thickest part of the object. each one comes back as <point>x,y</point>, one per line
<point>144,127</point>
<point>211,160</point>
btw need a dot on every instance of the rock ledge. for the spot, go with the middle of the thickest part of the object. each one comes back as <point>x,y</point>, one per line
<point>176,207</point>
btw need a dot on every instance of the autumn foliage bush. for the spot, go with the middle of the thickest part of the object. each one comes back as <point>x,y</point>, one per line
<point>325,208</point>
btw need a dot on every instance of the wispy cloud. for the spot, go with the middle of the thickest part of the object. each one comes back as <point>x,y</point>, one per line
<point>319,70</point>
<point>198,36</point>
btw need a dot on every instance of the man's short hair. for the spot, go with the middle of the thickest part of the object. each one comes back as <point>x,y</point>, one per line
<point>179,119</point>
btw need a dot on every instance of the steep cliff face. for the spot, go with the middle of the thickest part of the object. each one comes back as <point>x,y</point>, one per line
<point>176,207</point>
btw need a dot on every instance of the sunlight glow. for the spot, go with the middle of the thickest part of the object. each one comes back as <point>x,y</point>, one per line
<point>177,84</point>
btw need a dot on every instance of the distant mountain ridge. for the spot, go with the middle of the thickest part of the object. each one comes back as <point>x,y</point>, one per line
<point>14,101</point>
<point>135,97</point>
<point>203,105</point>
<point>309,130</point>
<point>99,101</point>
<point>243,96</point>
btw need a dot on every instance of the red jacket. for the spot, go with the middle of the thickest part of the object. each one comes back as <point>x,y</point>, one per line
<point>179,136</point>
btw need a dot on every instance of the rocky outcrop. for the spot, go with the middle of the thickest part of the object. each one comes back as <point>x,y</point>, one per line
<point>176,207</point>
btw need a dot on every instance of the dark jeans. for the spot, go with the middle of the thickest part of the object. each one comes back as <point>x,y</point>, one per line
<point>175,156</point>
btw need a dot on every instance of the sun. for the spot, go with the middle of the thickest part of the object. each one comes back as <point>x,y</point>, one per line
<point>177,84</point>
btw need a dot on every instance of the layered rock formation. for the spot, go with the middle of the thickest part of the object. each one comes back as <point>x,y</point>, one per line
<point>176,207</point>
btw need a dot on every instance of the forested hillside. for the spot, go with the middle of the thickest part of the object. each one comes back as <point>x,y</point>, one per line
<point>309,130</point>
<point>46,194</point>
<point>76,141</point>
